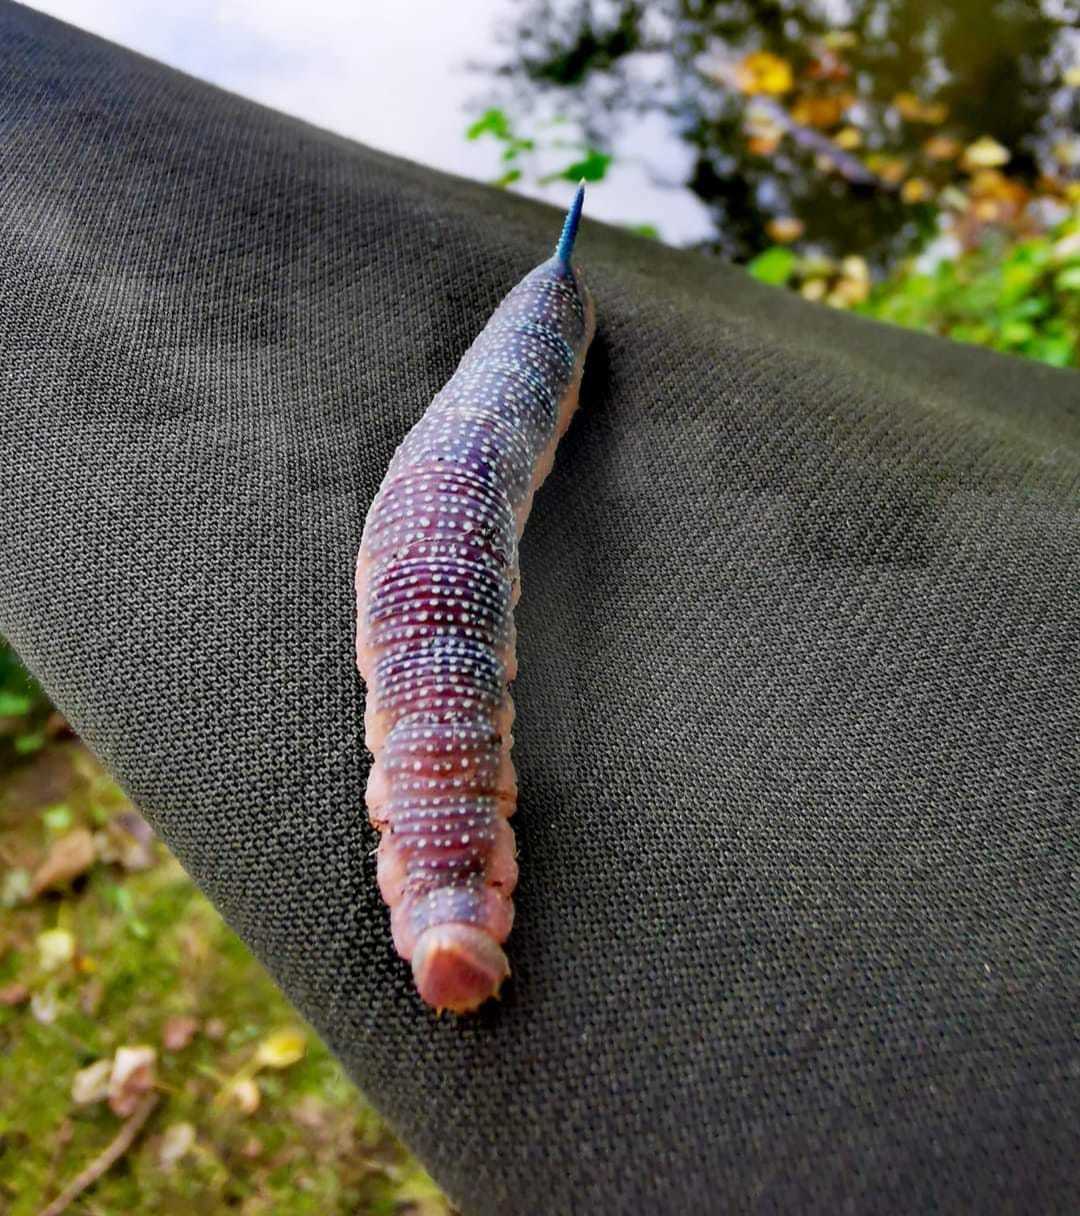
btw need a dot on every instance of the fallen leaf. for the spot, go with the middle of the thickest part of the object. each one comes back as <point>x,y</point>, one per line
<point>178,1031</point>
<point>987,210</point>
<point>55,948</point>
<point>764,145</point>
<point>785,229</point>
<point>848,138</point>
<point>310,1112</point>
<point>45,1007</point>
<point>916,190</point>
<point>90,996</point>
<point>14,994</point>
<point>14,887</point>
<point>764,72</point>
<point>839,40</point>
<point>132,1077</point>
<point>129,840</point>
<point>57,726</point>
<point>177,1141</point>
<point>985,153</point>
<point>821,111</point>
<point>91,1084</point>
<point>953,197</point>
<point>281,1049</point>
<point>1067,152</point>
<point>68,857</point>
<point>214,1029</point>
<point>760,123</point>
<point>824,163</point>
<point>941,147</point>
<point>914,109</point>
<point>813,289</point>
<point>891,169</point>
<point>827,66</point>
<point>244,1094</point>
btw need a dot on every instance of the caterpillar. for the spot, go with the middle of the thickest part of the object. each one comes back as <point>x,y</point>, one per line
<point>437,578</point>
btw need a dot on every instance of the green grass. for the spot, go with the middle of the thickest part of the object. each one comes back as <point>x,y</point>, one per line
<point>148,946</point>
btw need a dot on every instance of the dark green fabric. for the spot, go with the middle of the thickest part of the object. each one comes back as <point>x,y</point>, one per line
<point>797,715</point>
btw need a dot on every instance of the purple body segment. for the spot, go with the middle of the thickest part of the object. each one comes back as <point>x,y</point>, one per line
<point>436,581</point>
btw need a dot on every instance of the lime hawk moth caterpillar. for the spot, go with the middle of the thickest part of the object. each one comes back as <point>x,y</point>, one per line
<point>436,581</point>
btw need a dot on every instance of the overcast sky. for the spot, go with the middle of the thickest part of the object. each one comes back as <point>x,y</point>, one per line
<point>386,73</point>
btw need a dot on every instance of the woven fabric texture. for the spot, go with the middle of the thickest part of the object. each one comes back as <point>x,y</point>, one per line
<point>798,715</point>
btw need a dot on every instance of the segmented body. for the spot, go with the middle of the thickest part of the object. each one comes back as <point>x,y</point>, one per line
<point>437,577</point>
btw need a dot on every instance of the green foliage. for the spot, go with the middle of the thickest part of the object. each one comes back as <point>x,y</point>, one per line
<point>23,709</point>
<point>519,151</point>
<point>775,266</point>
<point>591,168</point>
<point>491,122</point>
<point>1021,296</point>
<point>1023,299</point>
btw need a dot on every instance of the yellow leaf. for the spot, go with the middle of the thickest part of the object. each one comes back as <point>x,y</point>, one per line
<point>890,169</point>
<point>785,229</point>
<point>941,147</point>
<point>848,138</point>
<point>840,40</point>
<point>764,72</point>
<point>916,190</point>
<point>763,145</point>
<point>820,111</point>
<point>1071,77</point>
<point>282,1048</point>
<point>985,153</point>
<point>914,109</point>
<point>986,209</point>
<point>813,289</point>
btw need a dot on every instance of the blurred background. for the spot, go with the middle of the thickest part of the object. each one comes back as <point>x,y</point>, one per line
<point>913,160</point>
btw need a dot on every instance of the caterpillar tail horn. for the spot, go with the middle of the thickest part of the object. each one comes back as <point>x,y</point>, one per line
<point>570,226</point>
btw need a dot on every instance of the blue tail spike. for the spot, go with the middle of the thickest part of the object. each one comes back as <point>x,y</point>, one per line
<point>569,229</point>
